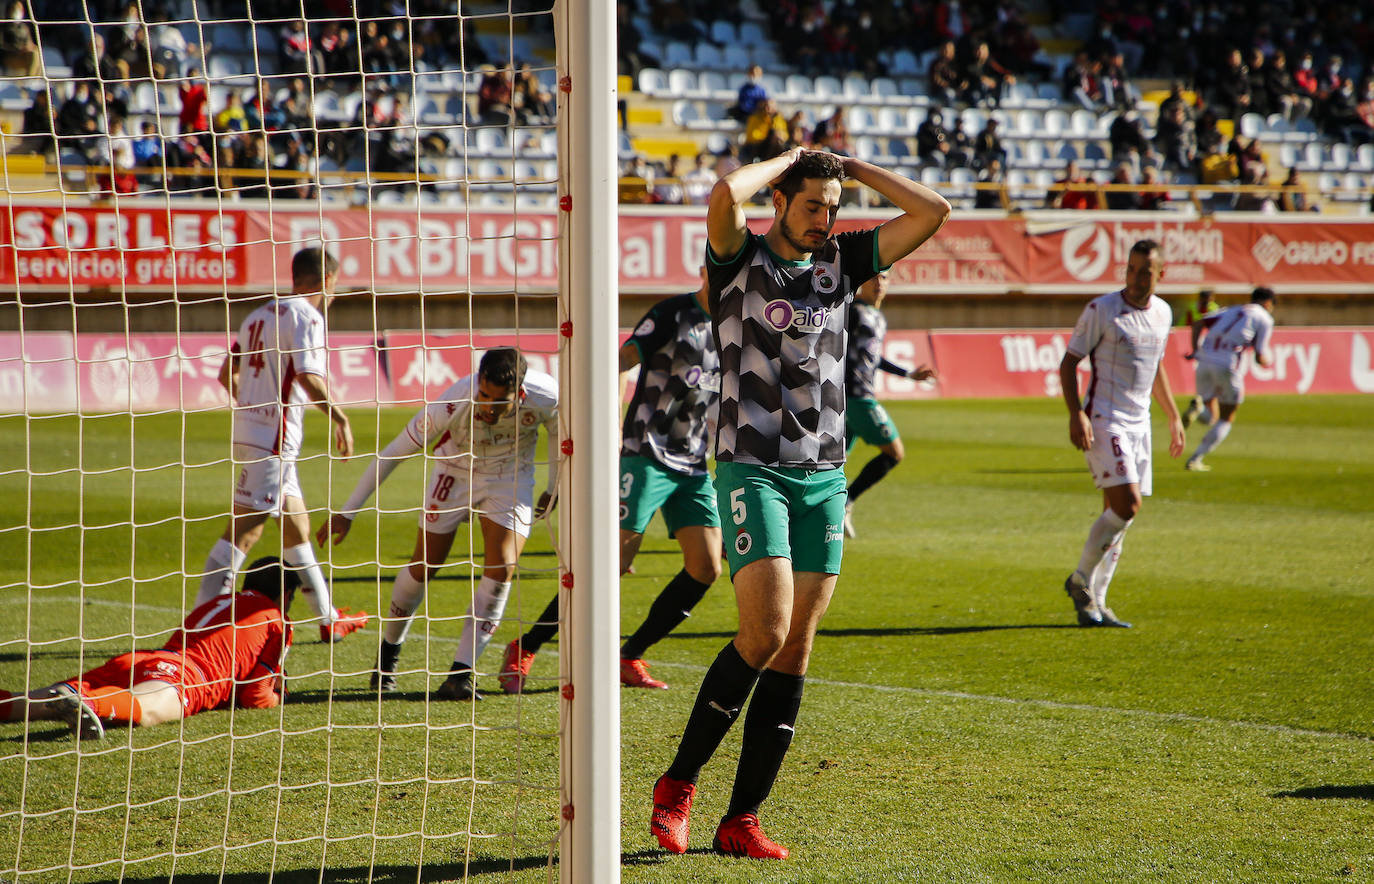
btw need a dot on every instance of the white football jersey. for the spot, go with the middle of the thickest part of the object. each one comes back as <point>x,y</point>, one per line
<point>278,342</point>
<point>1124,345</point>
<point>463,442</point>
<point>1232,330</point>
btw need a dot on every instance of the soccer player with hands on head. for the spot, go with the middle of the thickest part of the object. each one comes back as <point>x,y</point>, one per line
<point>277,366</point>
<point>230,651</point>
<point>1220,376</point>
<point>1125,334</point>
<point>662,467</point>
<point>779,305</point>
<point>484,429</point>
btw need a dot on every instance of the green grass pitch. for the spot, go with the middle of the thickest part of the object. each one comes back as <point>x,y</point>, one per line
<point>957,726</point>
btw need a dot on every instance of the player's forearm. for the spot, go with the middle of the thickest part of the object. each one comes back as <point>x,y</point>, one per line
<point>382,466</point>
<point>744,182</point>
<point>1164,394</point>
<point>924,211</point>
<point>1068,382</point>
<point>893,368</point>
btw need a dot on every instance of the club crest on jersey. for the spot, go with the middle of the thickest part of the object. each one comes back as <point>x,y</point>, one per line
<point>783,314</point>
<point>823,279</point>
<point>743,543</point>
<point>527,419</point>
<point>644,328</point>
<point>624,511</point>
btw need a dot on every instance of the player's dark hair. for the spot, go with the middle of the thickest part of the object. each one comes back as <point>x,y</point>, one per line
<point>1261,294</point>
<point>1144,247</point>
<point>267,577</point>
<point>312,264</point>
<point>504,367</point>
<point>811,164</point>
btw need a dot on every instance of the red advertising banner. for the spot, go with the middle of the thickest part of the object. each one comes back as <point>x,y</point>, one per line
<point>179,244</point>
<point>167,246</point>
<point>421,366</point>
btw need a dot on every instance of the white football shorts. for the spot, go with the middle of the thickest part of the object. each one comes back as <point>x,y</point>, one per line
<point>452,497</point>
<point>265,479</point>
<point>1221,383</point>
<point>1120,457</point>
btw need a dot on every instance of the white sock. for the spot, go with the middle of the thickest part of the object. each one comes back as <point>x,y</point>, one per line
<point>1102,574</point>
<point>488,604</point>
<point>1105,533</point>
<point>316,591</point>
<point>406,595</point>
<point>221,571</point>
<point>1214,437</point>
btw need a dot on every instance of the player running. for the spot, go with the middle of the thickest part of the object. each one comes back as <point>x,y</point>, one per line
<point>779,304</point>
<point>1220,378</point>
<point>1124,334</point>
<point>277,366</point>
<point>230,651</point>
<point>865,418</point>
<point>484,430</point>
<point>662,466</point>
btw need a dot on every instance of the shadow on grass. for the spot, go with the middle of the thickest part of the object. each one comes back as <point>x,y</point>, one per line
<point>366,695</point>
<point>1362,793</point>
<point>659,857</point>
<point>1048,471</point>
<point>876,631</point>
<point>450,871</point>
<point>43,732</point>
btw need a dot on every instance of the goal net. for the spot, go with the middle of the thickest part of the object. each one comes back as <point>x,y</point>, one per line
<point>164,162</point>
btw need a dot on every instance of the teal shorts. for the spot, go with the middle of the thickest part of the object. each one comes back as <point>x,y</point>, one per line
<point>647,485</point>
<point>866,419</point>
<point>782,511</point>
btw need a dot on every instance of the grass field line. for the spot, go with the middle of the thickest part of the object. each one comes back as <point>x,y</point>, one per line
<point>1178,717</point>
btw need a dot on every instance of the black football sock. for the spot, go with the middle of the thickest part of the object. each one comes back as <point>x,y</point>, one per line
<point>547,627</point>
<point>672,606</point>
<point>768,729</point>
<point>874,470</point>
<point>723,691</point>
<point>387,656</point>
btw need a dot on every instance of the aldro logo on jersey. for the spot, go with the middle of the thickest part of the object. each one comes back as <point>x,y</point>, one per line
<point>783,314</point>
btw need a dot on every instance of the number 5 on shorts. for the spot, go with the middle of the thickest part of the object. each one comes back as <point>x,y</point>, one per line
<point>737,506</point>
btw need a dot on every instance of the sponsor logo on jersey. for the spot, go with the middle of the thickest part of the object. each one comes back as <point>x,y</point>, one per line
<point>706,380</point>
<point>783,314</point>
<point>743,543</point>
<point>834,533</point>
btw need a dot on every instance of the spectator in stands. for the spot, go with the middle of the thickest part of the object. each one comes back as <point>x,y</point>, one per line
<point>868,42</point>
<point>494,97</point>
<point>630,58</point>
<point>838,52</point>
<point>293,48</point>
<point>727,160</point>
<point>987,146</point>
<point>189,153</point>
<point>293,159</point>
<point>798,133</point>
<point>697,183</point>
<point>1152,197</point>
<point>39,134</point>
<point>1258,77</point>
<point>78,121</point>
<point>115,153</point>
<point>1341,116</point>
<point>195,97</point>
<point>168,46</point>
<point>1020,51</point>
<point>951,22</point>
<point>1070,192</point>
<point>1129,142</point>
<point>1103,43</point>
<point>1294,197</point>
<point>1081,83</point>
<point>382,60</point>
<point>338,54</point>
<point>765,133</point>
<point>639,188</point>
<point>1330,76</point>
<point>1176,139</point>
<point>1253,171</point>
<point>990,197</point>
<point>1364,108</point>
<point>1306,78</point>
<point>1233,86</point>
<point>946,81</point>
<point>94,64</point>
<point>668,189</point>
<point>147,148</point>
<point>533,103</point>
<point>1282,92</point>
<point>18,49</point>
<point>1176,99</point>
<point>933,139</point>
<point>252,158</point>
<point>296,90</point>
<point>232,117</point>
<point>1123,199</point>
<point>1209,137</point>
<point>960,145</point>
<point>1117,89</point>
<point>751,94</point>
<point>983,78</point>
<point>832,134</point>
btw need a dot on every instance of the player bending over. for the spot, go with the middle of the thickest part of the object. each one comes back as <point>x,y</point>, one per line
<point>484,429</point>
<point>1220,378</point>
<point>662,466</point>
<point>1125,334</point>
<point>230,651</point>
<point>277,366</point>
<point>864,417</point>
<point>780,306</point>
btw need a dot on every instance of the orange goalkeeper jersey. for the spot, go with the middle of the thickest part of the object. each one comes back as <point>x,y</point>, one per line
<point>238,643</point>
